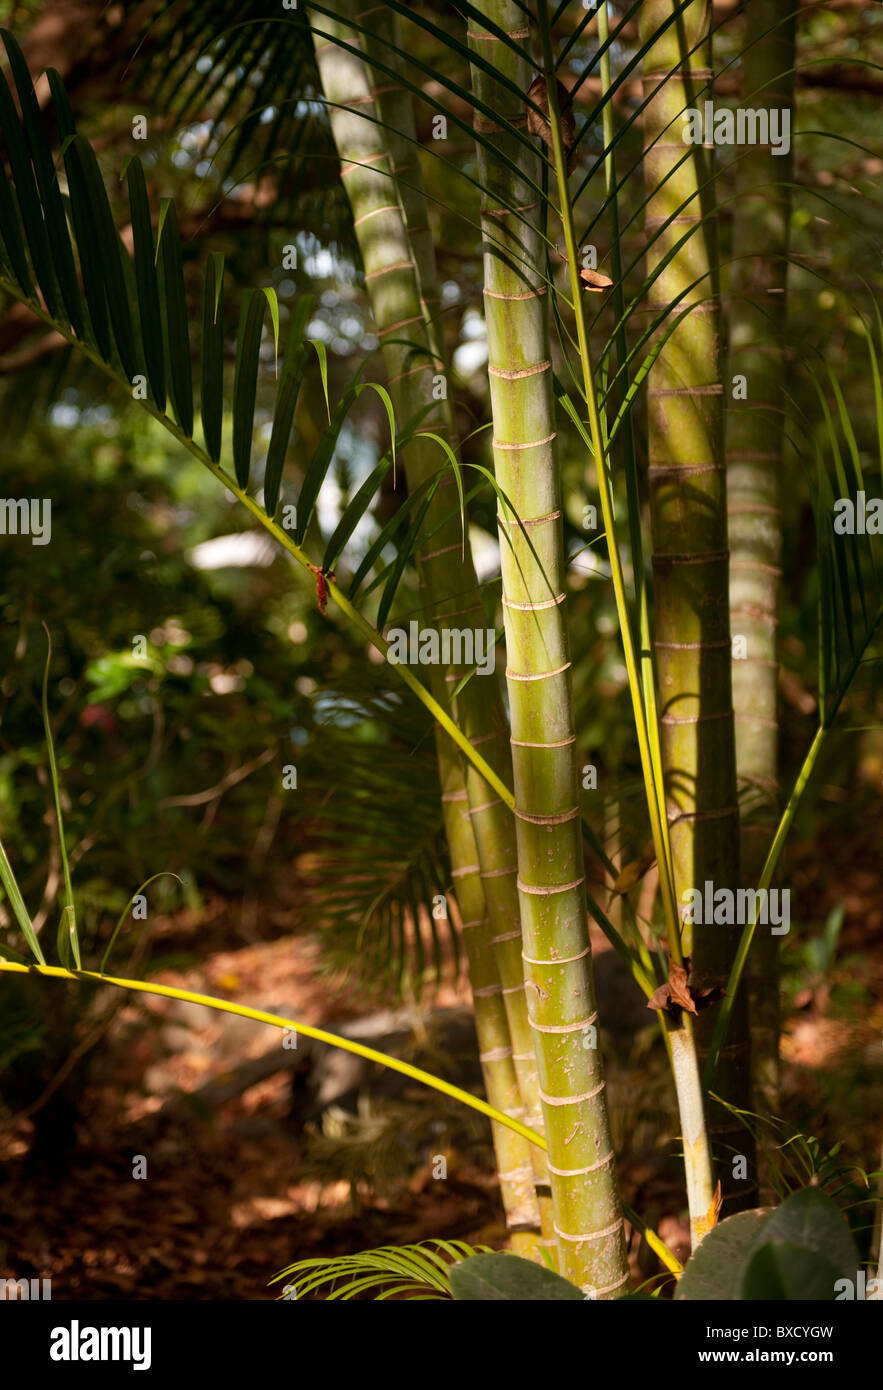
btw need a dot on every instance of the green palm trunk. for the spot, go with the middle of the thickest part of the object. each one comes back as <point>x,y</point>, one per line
<point>514,1166</point>
<point>689,521</point>
<point>755,434</point>
<point>551,888</point>
<point>397,287</point>
<point>394,109</point>
<point>480,710</point>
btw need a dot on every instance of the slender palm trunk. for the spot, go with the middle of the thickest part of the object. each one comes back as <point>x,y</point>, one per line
<point>755,435</point>
<point>399,277</point>
<point>678,1030</point>
<point>557,955</point>
<point>479,708</point>
<point>514,1166</point>
<point>689,522</point>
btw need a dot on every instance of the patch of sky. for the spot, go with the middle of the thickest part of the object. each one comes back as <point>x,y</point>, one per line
<point>309,108</point>
<point>472,353</point>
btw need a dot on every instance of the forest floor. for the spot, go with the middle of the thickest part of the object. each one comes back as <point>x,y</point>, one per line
<point>231,1197</point>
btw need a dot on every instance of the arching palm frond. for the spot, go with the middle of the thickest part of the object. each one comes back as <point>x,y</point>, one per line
<point>418,1271</point>
<point>847,516</point>
<point>128,315</point>
<point>249,73</point>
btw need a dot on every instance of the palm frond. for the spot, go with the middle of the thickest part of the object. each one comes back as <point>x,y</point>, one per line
<point>128,314</point>
<point>795,1160</point>
<point>850,601</point>
<point>213,62</point>
<point>371,891</point>
<point>419,1271</point>
<point>118,330</point>
<point>250,82</point>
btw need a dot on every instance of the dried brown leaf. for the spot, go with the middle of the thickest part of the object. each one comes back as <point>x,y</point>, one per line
<point>680,990</point>
<point>678,993</point>
<point>538,124</point>
<point>659,999</point>
<point>595,281</point>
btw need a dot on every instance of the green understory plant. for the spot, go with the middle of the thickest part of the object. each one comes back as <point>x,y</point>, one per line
<point>801,1250</point>
<point>69,950</point>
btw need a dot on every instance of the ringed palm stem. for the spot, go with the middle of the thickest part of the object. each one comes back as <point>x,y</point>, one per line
<point>755,438</point>
<point>513,1154</point>
<point>517,1163</point>
<point>479,709</point>
<point>679,1032</point>
<point>688,512</point>
<point>398,276</point>
<point>551,885</point>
